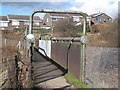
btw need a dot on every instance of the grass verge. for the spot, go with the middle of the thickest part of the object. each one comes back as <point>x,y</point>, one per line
<point>75,82</point>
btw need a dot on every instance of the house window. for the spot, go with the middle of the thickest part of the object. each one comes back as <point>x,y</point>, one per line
<point>97,19</point>
<point>54,19</point>
<point>36,23</point>
<point>3,24</point>
<point>106,19</point>
<point>26,23</point>
<point>47,19</point>
<point>77,19</point>
<point>15,22</point>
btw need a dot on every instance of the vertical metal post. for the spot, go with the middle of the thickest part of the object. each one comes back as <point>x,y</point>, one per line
<point>17,70</point>
<point>83,46</point>
<point>32,51</point>
<point>84,26</point>
<point>5,41</point>
<point>31,47</point>
<point>52,31</point>
<point>31,24</point>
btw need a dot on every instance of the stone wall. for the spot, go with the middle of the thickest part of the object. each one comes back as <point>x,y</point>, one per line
<point>15,65</point>
<point>16,72</point>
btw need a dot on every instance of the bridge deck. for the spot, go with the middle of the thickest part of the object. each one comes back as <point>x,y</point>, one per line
<point>45,71</point>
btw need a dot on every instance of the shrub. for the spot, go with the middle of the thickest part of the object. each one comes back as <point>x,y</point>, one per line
<point>107,36</point>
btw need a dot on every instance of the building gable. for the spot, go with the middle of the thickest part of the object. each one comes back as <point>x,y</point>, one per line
<point>3,18</point>
<point>100,18</point>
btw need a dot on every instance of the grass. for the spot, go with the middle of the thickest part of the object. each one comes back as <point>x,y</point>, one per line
<point>75,82</point>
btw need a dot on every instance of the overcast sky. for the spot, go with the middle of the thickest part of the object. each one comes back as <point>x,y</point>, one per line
<point>25,7</point>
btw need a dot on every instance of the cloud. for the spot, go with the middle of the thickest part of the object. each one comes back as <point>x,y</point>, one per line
<point>108,6</point>
<point>35,0</point>
<point>36,5</point>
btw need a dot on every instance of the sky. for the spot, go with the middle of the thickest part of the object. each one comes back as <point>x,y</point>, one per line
<point>25,7</point>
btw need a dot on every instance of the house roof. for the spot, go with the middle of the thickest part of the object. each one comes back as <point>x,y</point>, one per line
<point>75,15</point>
<point>56,14</point>
<point>18,17</point>
<point>37,18</point>
<point>3,18</point>
<point>97,14</point>
<point>22,17</point>
<point>64,15</point>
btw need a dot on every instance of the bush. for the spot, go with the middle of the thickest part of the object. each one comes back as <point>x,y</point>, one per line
<point>94,29</point>
<point>18,30</point>
<point>107,36</point>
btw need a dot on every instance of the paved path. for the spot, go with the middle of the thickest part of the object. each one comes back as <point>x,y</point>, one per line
<point>48,74</point>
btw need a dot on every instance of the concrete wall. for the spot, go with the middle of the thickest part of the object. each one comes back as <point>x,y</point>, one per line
<point>102,67</point>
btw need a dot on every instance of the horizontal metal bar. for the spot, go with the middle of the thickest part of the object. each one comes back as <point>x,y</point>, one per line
<point>53,11</point>
<point>66,39</point>
<point>60,12</point>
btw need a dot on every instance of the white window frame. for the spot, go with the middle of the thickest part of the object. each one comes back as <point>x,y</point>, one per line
<point>106,19</point>
<point>3,24</point>
<point>75,18</point>
<point>54,19</point>
<point>26,22</point>
<point>36,23</point>
<point>15,22</point>
<point>47,20</point>
<point>98,19</point>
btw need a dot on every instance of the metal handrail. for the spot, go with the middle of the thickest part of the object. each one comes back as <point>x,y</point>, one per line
<point>73,39</point>
<point>53,11</point>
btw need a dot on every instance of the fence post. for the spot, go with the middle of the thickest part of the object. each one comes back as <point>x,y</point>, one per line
<point>17,70</point>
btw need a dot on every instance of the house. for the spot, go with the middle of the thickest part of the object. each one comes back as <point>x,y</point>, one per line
<point>99,18</point>
<point>76,17</point>
<point>18,21</point>
<point>3,22</point>
<point>22,21</point>
<point>50,19</point>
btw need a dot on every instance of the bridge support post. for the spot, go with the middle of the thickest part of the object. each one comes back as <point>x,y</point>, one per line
<point>83,42</point>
